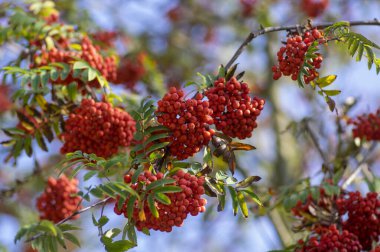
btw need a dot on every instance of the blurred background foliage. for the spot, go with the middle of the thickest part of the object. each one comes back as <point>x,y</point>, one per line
<point>168,42</point>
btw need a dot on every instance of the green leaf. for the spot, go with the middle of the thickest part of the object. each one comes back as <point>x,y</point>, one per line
<point>41,141</point>
<point>130,206</point>
<point>92,74</point>
<point>332,92</point>
<point>254,197</point>
<point>247,182</point>
<point>370,56</point>
<point>81,65</point>
<point>119,246</point>
<point>22,232</point>
<point>49,226</point>
<point>112,233</point>
<point>221,202</point>
<point>89,175</point>
<point>72,238</point>
<point>162,198</point>
<point>168,189</point>
<point>132,233</point>
<point>159,183</point>
<point>242,204</point>
<point>234,200</point>
<point>325,81</point>
<point>152,206</point>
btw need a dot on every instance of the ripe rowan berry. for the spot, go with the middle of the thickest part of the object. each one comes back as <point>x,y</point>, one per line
<point>234,111</point>
<point>314,8</point>
<point>188,201</point>
<point>291,57</point>
<point>97,127</point>
<point>367,126</point>
<point>188,121</point>
<point>363,216</point>
<point>89,53</point>
<point>58,201</point>
<point>130,71</point>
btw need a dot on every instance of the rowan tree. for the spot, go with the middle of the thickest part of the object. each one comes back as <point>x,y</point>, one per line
<point>137,136</point>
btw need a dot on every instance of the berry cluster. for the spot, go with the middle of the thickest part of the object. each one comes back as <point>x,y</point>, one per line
<point>188,201</point>
<point>367,126</point>
<point>234,111</point>
<point>105,65</point>
<point>130,71</point>
<point>5,103</point>
<point>188,120</point>
<point>106,38</point>
<point>58,201</point>
<point>291,57</point>
<point>307,211</point>
<point>175,13</point>
<point>97,127</point>
<point>331,240</point>
<point>314,8</point>
<point>247,6</point>
<point>363,216</point>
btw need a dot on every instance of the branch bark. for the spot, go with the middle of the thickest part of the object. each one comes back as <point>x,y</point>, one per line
<point>255,34</point>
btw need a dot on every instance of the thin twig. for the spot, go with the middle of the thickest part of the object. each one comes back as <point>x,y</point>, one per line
<point>263,31</point>
<point>361,166</point>
<point>71,216</point>
<point>315,142</point>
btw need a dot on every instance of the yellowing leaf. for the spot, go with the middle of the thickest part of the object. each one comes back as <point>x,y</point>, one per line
<point>325,81</point>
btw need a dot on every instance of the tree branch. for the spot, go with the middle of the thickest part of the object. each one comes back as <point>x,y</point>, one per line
<point>255,34</point>
<point>71,216</point>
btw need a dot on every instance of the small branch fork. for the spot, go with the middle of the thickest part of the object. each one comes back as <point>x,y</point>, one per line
<point>263,31</point>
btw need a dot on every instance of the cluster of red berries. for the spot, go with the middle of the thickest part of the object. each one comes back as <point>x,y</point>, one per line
<point>97,127</point>
<point>130,71</point>
<point>188,201</point>
<point>188,120</point>
<point>363,216</point>
<point>175,13</point>
<point>314,8</point>
<point>367,126</point>
<point>58,200</point>
<point>5,103</point>
<point>331,240</point>
<point>106,38</point>
<point>291,57</point>
<point>234,111</point>
<point>302,209</point>
<point>90,53</point>
<point>247,6</point>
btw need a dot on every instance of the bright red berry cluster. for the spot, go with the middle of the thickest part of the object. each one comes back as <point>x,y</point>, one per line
<point>58,201</point>
<point>99,128</point>
<point>106,38</point>
<point>314,8</point>
<point>188,201</point>
<point>188,120</point>
<point>5,103</point>
<point>331,240</point>
<point>130,71</point>
<point>367,126</point>
<point>291,57</point>
<point>234,111</point>
<point>363,216</point>
<point>105,65</point>
<point>247,6</point>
